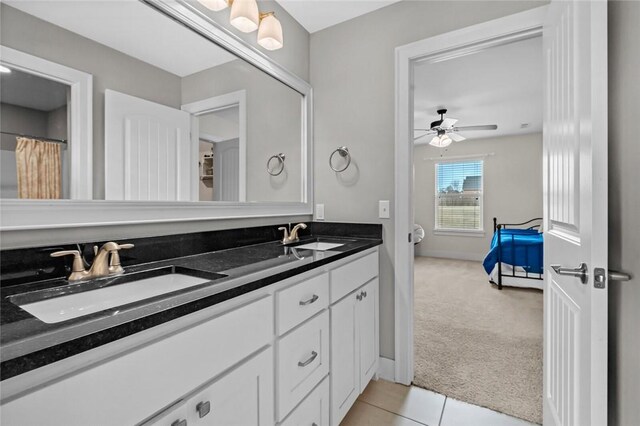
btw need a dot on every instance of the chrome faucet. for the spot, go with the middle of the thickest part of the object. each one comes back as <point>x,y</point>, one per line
<point>106,261</point>
<point>293,236</point>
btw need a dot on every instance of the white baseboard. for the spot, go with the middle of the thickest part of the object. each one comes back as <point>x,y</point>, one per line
<point>387,369</point>
<point>454,255</point>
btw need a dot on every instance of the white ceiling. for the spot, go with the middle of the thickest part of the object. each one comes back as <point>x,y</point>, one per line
<point>501,85</point>
<point>132,28</point>
<point>316,15</point>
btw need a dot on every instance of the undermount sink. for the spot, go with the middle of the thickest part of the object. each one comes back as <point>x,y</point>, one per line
<point>84,298</point>
<point>319,246</point>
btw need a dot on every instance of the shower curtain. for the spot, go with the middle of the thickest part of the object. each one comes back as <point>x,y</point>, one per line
<point>39,169</point>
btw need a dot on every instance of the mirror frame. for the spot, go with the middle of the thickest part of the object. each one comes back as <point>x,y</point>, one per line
<point>16,214</point>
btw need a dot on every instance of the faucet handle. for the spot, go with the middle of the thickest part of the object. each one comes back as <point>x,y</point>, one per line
<point>77,270</point>
<point>114,263</point>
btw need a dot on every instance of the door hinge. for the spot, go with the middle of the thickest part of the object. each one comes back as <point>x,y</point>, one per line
<point>410,236</point>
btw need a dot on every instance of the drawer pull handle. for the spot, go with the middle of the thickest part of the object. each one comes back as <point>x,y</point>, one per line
<point>180,423</point>
<point>203,408</point>
<point>314,424</point>
<point>309,301</point>
<point>313,356</point>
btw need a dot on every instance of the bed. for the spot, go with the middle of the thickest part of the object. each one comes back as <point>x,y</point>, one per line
<point>516,255</point>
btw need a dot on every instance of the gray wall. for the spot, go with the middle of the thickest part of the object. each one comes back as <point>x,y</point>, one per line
<point>352,73</point>
<point>624,212</point>
<point>512,191</point>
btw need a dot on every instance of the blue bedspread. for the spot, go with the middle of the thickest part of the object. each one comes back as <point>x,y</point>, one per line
<point>520,247</point>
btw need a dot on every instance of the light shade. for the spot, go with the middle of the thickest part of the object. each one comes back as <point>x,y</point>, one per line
<point>441,141</point>
<point>215,5</point>
<point>245,15</point>
<point>270,32</point>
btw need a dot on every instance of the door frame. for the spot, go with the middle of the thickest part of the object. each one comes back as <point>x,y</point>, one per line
<point>215,103</point>
<point>519,26</point>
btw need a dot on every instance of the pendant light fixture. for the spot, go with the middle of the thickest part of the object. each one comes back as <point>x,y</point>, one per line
<point>270,32</point>
<point>215,5</point>
<point>441,141</point>
<point>246,17</point>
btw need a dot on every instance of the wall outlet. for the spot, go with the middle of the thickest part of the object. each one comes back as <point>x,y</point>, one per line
<point>383,209</point>
<point>319,211</point>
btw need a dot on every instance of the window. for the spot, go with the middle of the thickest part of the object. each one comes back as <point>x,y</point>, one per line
<point>458,197</point>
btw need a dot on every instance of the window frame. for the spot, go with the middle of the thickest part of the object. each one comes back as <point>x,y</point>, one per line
<point>457,231</point>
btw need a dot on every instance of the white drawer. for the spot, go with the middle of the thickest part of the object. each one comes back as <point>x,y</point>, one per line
<point>347,278</point>
<point>303,361</point>
<point>301,301</point>
<point>314,410</point>
<point>144,381</point>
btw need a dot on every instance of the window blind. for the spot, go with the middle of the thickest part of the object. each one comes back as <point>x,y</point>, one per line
<point>459,195</point>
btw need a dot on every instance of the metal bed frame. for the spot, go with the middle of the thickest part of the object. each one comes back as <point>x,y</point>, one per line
<point>526,275</point>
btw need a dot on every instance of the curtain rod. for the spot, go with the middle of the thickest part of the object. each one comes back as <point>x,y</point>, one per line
<point>36,137</point>
<point>460,157</point>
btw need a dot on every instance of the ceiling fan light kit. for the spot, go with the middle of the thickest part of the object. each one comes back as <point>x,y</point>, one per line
<point>445,131</point>
<point>246,17</point>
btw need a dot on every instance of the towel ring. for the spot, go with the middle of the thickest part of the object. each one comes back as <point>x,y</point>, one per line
<point>344,153</point>
<point>280,157</point>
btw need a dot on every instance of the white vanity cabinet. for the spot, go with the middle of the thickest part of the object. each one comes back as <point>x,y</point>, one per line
<point>297,352</point>
<point>242,397</point>
<point>354,336</point>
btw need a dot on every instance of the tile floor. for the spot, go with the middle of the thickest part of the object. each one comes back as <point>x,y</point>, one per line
<point>389,404</point>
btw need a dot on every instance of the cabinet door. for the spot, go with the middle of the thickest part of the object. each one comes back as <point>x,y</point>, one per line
<point>345,375</point>
<point>242,397</point>
<point>367,309</point>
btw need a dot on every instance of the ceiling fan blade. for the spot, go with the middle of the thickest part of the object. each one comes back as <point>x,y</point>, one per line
<point>448,123</point>
<point>421,136</point>
<point>423,130</point>
<point>456,137</point>
<point>466,128</point>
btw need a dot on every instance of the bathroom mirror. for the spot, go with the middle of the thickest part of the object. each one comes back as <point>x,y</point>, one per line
<point>145,102</point>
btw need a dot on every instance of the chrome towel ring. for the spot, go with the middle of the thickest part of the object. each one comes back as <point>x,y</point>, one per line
<point>343,151</point>
<point>279,168</point>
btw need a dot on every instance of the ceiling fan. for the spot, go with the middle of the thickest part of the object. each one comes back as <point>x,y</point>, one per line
<point>446,131</point>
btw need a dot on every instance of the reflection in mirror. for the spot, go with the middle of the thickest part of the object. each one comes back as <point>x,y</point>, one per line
<point>33,130</point>
<point>161,128</point>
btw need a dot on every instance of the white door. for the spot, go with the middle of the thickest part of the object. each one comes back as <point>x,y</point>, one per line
<point>148,151</point>
<point>575,212</point>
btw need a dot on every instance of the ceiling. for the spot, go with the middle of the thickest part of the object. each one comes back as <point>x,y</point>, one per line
<point>501,85</point>
<point>30,91</point>
<point>159,41</point>
<point>316,15</point>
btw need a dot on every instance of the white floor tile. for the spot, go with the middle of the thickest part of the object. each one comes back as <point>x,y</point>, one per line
<point>412,402</point>
<point>458,413</point>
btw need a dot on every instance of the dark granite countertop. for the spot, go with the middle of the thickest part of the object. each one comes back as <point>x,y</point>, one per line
<point>27,343</point>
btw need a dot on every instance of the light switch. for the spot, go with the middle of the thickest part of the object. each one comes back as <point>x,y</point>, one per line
<point>383,209</point>
<point>319,211</point>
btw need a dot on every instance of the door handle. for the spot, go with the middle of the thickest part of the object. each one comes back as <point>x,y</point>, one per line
<point>618,276</point>
<point>582,272</point>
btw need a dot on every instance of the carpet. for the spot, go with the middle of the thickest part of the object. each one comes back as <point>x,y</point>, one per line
<point>476,343</point>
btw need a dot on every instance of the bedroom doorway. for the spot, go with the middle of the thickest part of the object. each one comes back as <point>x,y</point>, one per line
<point>473,105</point>
<point>478,197</point>
<point>575,190</point>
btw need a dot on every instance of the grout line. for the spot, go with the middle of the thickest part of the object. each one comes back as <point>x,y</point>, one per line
<point>444,404</point>
<point>391,412</point>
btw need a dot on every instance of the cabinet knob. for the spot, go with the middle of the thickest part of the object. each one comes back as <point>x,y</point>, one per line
<point>364,294</point>
<point>178,422</point>
<point>359,296</point>
<point>203,408</point>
